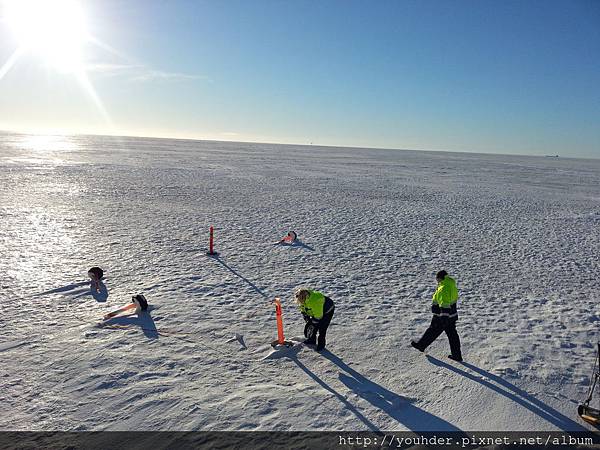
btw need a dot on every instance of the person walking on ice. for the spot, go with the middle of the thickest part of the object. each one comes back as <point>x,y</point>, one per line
<point>444,317</point>
<point>317,310</point>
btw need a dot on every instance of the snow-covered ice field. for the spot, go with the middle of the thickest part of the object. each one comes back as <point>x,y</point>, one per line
<point>519,234</point>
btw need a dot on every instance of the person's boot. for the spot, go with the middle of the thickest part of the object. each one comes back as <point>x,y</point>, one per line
<point>455,358</point>
<point>415,345</point>
<point>321,344</point>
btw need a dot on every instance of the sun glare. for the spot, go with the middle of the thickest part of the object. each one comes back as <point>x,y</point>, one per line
<point>54,29</point>
<point>46,143</point>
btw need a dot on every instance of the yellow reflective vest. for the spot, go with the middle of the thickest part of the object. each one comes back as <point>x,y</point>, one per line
<point>446,293</point>
<point>313,306</point>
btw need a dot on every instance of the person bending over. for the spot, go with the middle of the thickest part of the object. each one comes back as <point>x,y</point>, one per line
<point>317,310</point>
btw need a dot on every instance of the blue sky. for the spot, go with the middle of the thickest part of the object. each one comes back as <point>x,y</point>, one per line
<point>484,76</point>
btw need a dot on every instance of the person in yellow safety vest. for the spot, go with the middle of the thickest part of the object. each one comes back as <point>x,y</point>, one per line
<point>317,310</point>
<point>444,317</point>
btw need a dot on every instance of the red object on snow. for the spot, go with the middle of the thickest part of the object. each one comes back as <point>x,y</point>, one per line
<point>280,337</point>
<point>210,242</point>
<point>288,238</point>
<point>112,314</point>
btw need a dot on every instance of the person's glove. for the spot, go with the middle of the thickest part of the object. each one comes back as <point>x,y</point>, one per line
<point>306,317</point>
<point>309,330</point>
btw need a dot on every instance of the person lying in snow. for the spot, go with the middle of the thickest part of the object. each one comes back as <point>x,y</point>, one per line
<point>317,310</point>
<point>444,317</point>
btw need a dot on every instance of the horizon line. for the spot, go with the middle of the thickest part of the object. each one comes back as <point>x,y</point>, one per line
<point>197,139</point>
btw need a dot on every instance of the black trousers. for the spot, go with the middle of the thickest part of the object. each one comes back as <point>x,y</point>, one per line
<point>440,324</point>
<point>322,325</point>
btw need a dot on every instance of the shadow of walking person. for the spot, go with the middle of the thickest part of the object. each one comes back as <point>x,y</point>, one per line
<point>513,393</point>
<point>397,407</point>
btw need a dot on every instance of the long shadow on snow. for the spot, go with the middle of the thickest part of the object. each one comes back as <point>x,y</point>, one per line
<point>515,394</point>
<point>397,407</point>
<point>296,244</point>
<point>340,397</point>
<point>256,288</point>
<point>100,297</point>
<point>143,320</point>
<point>68,287</point>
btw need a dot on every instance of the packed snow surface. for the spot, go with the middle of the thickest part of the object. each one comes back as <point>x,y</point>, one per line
<point>519,234</point>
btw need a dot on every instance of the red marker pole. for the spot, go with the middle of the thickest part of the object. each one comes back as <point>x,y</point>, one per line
<point>211,251</point>
<point>280,337</point>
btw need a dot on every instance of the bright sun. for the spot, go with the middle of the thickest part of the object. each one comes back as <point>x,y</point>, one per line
<point>53,29</point>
